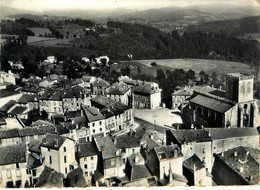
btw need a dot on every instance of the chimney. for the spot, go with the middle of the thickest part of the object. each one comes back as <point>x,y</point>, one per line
<point>151,136</point>
<point>175,153</point>
<point>114,140</point>
<point>222,154</point>
<point>235,153</point>
<point>241,169</point>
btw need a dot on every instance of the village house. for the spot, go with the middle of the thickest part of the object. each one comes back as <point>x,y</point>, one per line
<point>195,172</point>
<point>8,78</point>
<point>137,173</point>
<point>233,108</point>
<point>147,95</point>
<point>13,172</point>
<point>117,115</point>
<point>95,121</point>
<point>51,102</point>
<point>109,163</point>
<point>73,99</point>
<point>120,92</point>
<point>192,142</point>
<point>98,87</point>
<point>7,95</point>
<point>163,161</point>
<point>59,153</point>
<point>88,159</point>
<point>88,80</point>
<point>235,167</point>
<point>29,101</point>
<point>20,112</point>
<point>180,97</point>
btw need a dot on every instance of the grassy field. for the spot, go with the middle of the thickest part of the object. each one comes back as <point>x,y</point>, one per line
<point>34,39</point>
<point>209,66</point>
<point>43,31</point>
<point>53,42</point>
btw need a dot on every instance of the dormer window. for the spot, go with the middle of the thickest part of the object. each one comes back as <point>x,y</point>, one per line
<point>55,142</point>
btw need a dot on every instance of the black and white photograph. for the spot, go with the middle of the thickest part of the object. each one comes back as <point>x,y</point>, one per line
<point>129,93</point>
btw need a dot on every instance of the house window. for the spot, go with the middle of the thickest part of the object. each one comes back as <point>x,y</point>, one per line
<point>112,162</point>
<point>34,172</point>
<point>91,158</point>
<point>28,171</point>
<point>65,159</point>
<point>92,166</point>
<point>66,171</point>
<point>49,149</point>
<point>17,165</point>
<point>100,123</point>
<point>93,124</point>
<point>8,173</point>
<point>85,166</point>
<point>94,131</point>
<point>86,173</point>
<point>50,160</point>
<point>203,150</point>
<point>71,168</point>
<point>64,149</point>
<point>85,159</point>
<point>100,129</point>
<point>203,158</point>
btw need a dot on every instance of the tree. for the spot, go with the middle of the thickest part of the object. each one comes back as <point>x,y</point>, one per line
<point>190,74</point>
<point>139,72</point>
<point>160,75</point>
<point>153,64</point>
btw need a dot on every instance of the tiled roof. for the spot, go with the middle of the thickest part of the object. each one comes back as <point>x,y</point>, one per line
<point>117,89</point>
<point>7,92</point>
<point>75,178</point>
<point>224,133</point>
<point>34,146</point>
<point>17,110</point>
<point>92,114</point>
<point>100,83</point>
<point>165,152</point>
<point>50,178</point>
<point>12,154</point>
<point>73,114</point>
<point>52,95</point>
<point>114,109</point>
<point>145,89</point>
<point>126,141</point>
<point>12,133</point>
<point>243,163</point>
<point>183,92</point>
<point>30,131</point>
<point>212,103</point>
<point>106,146</point>
<point>42,123</point>
<point>73,93</point>
<point>25,98</point>
<point>86,78</point>
<point>80,121</point>
<point>60,130</point>
<point>103,101</point>
<point>187,136</point>
<point>86,149</point>
<point>53,141</point>
<point>7,106</point>
<point>193,162</point>
<point>139,172</point>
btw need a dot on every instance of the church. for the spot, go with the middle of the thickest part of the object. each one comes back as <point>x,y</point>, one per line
<point>235,107</point>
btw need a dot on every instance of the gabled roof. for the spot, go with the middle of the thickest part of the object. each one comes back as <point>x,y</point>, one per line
<point>100,83</point>
<point>145,89</point>
<point>106,146</point>
<point>92,114</point>
<point>25,98</point>
<point>224,133</point>
<point>212,103</point>
<point>86,149</point>
<point>7,106</point>
<point>53,141</point>
<point>166,152</point>
<point>18,110</point>
<point>188,136</point>
<point>12,133</point>
<point>12,154</point>
<point>126,141</point>
<point>75,178</point>
<point>31,131</point>
<point>114,109</point>
<point>50,178</point>
<point>139,172</point>
<point>52,95</point>
<point>183,92</point>
<point>193,162</point>
<point>242,163</point>
<point>103,101</point>
<point>117,89</point>
<point>34,146</point>
<point>73,93</point>
<point>8,92</point>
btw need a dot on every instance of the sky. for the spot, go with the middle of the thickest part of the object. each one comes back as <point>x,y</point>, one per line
<point>39,5</point>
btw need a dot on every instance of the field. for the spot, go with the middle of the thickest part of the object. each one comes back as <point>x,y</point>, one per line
<point>40,31</point>
<point>34,39</point>
<point>52,42</point>
<point>70,30</point>
<point>209,66</point>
